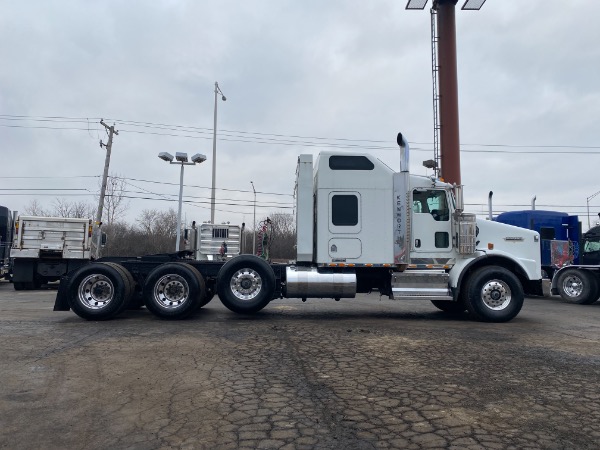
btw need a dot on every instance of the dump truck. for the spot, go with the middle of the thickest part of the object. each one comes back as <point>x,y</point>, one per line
<point>46,248</point>
<point>361,228</point>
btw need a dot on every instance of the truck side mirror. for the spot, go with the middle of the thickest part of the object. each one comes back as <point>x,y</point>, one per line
<point>103,239</point>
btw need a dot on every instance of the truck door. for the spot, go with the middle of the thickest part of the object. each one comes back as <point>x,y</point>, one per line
<point>344,225</point>
<point>431,224</point>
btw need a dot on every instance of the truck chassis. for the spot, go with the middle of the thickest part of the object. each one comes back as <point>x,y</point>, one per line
<point>174,287</point>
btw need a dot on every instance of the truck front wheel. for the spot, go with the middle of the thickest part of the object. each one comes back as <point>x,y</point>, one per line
<point>493,294</point>
<point>246,284</point>
<point>578,286</point>
<point>98,291</point>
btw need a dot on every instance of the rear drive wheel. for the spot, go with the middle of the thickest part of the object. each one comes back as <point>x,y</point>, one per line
<point>450,307</point>
<point>98,291</point>
<point>174,291</point>
<point>246,284</point>
<point>493,294</point>
<point>578,286</point>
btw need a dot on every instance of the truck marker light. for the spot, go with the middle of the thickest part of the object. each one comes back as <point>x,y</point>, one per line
<point>387,265</point>
<point>368,265</point>
<point>490,246</point>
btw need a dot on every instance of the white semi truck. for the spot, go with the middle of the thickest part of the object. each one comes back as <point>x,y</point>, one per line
<point>46,248</point>
<point>361,227</point>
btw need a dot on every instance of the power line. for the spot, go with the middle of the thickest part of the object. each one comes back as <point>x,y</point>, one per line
<point>291,140</point>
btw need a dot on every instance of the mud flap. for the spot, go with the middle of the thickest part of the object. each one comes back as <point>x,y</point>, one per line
<point>62,303</point>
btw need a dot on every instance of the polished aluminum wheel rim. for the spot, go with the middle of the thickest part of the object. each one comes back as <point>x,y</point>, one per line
<point>96,291</point>
<point>496,295</point>
<point>171,291</point>
<point>246,284</point>
<point>572,286</point>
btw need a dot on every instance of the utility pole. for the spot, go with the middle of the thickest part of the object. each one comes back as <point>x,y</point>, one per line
<point>111,131</point>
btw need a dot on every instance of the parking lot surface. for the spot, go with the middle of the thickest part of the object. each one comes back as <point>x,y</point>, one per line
<point>361,373</point>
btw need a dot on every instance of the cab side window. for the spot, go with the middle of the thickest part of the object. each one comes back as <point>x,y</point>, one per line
<point>431,201</point>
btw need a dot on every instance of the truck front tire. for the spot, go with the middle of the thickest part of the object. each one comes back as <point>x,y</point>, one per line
<point>246,284</point>
<point>578,286</point>
<point>99,291</point>
<point>493,294</point>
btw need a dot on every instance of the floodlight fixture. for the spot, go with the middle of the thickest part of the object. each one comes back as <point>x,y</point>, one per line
<point>182,160</point>
<point>416,4</point>
<point>473,5</point>
<point>181,157</point>
<point>469,5</point>
<point>198,158</point>
<point>165,156</point>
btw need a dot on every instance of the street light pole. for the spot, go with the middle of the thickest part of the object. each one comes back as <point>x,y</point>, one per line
<point>254,222</point>
<point>179,210</point>
<point>214,161</point>
<point>587,200</point>
<point>181,158</point>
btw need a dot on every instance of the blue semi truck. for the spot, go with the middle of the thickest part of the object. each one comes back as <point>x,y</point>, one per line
<point>560,235</point>
<point>570,258</point>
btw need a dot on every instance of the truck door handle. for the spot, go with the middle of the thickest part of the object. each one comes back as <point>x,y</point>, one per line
<point>417,243</point>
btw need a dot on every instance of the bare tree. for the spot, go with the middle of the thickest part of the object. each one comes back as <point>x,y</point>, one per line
<point>83,210</point>
<point>115,203</point>
<point>65,208</point>
<point>35,209</point>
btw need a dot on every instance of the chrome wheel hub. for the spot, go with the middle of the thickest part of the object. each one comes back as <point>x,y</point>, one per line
<point>572,286</point>
<point>496,295</point>
<point>246,284</point>
<point>96,291</point>
<point>171,291</point>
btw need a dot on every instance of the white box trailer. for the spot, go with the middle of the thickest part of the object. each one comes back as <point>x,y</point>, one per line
<point>46,248</point>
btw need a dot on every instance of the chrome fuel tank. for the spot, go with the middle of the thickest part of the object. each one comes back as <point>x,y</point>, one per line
<point>306,282</point>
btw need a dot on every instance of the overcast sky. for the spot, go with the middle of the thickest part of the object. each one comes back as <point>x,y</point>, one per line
<point>300,77</point>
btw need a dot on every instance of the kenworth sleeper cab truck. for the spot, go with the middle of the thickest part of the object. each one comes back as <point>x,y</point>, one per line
<point>360,227</point>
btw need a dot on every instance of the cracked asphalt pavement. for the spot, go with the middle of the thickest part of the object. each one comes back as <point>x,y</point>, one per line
<point>362,373</point>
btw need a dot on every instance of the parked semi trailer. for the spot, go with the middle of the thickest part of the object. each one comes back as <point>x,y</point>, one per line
<point>361,227</point>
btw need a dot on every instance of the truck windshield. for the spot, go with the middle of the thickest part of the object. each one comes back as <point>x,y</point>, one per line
<point>591,245</point>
